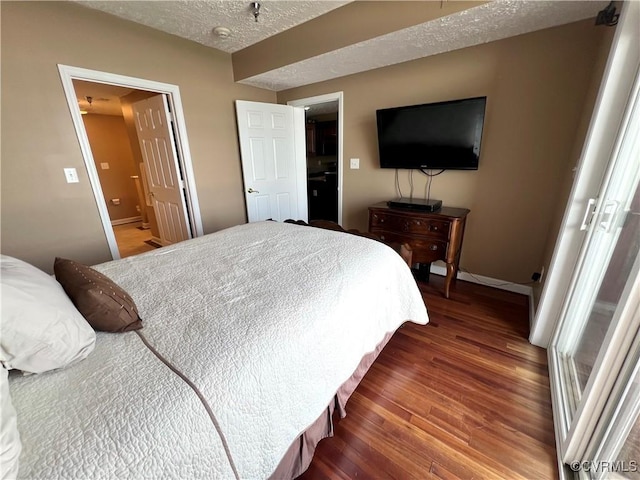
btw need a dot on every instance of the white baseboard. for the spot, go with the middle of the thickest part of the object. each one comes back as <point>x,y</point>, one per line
<point>488,281</point>
<point>123,221</point>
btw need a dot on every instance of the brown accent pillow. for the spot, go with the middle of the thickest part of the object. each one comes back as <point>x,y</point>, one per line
<point>105,305</point>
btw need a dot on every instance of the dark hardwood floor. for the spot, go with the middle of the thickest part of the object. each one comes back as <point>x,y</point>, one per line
<point>465,396</point>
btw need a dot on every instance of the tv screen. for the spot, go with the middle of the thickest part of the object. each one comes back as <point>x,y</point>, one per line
<point>443,135</point>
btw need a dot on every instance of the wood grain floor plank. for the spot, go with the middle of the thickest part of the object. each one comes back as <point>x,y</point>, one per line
<point>463,397</point>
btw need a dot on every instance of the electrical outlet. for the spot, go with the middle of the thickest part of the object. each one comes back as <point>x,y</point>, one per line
<point>71,175</point>
<point>537,276</point>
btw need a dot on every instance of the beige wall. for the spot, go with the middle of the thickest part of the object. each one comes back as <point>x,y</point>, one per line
<point>42,215</point>
<point>110,144</point>
<point>536,86</point>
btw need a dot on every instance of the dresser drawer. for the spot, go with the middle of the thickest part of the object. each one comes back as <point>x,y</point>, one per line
<point>425,250</point>
<point>411,225</point>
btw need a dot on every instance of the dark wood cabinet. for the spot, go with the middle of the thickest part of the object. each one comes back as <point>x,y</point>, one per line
<point>310,131</point>
<point>326,138</point>
<point>322,138</point>
<point>432,235</point>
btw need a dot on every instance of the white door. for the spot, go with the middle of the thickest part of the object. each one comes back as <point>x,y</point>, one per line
<point>166,186</point>
<point>600,317</point>
<point>273,151</point>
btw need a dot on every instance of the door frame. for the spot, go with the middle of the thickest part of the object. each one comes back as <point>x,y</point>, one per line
<point>329,97</point>
<point>70,73</point>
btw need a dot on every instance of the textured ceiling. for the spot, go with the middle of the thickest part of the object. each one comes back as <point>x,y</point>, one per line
<point>195,20</point>
<point>321,108</point>
<point>482,24</point>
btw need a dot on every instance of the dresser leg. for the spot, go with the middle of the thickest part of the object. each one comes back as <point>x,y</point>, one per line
<point>451,271</point>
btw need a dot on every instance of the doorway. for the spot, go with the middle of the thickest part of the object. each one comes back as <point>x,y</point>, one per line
<point>323,127</point>
<point>108,121</point>
<point>171,94</point>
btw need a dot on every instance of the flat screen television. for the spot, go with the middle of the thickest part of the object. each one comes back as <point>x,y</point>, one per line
<point>443,135</point>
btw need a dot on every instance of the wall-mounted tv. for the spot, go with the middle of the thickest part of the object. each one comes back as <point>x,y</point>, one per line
<point>443,135</point>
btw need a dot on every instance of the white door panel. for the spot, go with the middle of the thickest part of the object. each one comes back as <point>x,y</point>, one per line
<point>170,222</point>
<point>283,202</point>
<point>261,207</point>
<point>272,166</point>
<point>281,158</point>
<point>258,165</point>
<point>161,164</point>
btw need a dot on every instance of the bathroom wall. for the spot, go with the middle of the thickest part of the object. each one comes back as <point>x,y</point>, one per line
<point>115,164</point>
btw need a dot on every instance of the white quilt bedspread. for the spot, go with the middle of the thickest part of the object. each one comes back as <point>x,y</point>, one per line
<point>267,320</point>
<point>120,413</point>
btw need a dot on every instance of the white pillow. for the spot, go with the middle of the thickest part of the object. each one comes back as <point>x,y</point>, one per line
<point>10,446</point>
<point>41,329</point>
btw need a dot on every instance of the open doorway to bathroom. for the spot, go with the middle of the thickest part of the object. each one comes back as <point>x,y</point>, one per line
<point>160,128</point>
<point>108,120</point>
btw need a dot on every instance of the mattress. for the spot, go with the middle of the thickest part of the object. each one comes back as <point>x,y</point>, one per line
<point>267,320</point>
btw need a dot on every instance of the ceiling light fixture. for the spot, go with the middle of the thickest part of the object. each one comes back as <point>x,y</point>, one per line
<point>255,9</point>
<point>90,101</point>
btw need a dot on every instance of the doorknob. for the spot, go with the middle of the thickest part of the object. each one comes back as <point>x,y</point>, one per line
<point>251,190</point>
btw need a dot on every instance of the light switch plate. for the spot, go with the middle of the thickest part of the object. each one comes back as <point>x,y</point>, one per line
<point>71,175</point>
<point>354,163</point>
<point>104,166</point>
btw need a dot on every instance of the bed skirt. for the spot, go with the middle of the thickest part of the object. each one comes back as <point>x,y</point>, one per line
<point>299,455</point>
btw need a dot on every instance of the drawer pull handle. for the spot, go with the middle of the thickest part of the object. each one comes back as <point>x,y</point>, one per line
<point>381,237</point>
<point>433,247</point>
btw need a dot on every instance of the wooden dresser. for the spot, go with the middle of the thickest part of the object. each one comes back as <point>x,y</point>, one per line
<point>432,235</point>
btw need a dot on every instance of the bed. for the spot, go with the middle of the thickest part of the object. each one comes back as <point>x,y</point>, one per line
<point>251,338</point>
